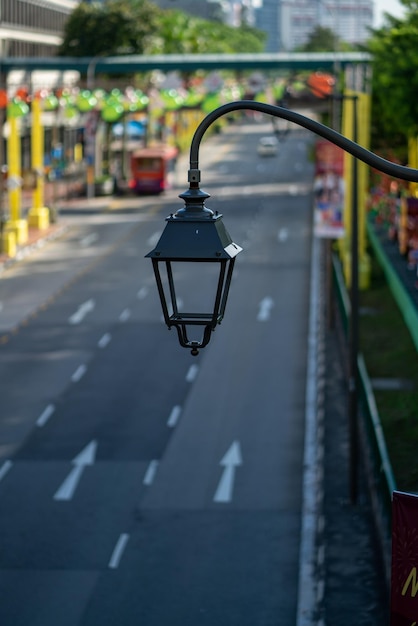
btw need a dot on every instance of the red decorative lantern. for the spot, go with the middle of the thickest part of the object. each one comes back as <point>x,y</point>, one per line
<point>3,98</point>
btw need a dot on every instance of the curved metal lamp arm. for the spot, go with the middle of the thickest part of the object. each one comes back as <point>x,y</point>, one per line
<point>397,171</point>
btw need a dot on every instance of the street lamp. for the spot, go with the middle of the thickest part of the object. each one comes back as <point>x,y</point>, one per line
<point>196,235</point>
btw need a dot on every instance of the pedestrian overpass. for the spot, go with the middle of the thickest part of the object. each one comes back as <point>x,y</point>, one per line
<point>130,64</point>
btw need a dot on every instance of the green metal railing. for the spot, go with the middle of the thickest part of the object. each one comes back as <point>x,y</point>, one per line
<point>381,478</point>
<point>402,298</point>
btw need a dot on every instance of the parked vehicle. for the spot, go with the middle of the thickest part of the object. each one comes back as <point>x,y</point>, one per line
<point>153,169</point>
<point>268,146</point>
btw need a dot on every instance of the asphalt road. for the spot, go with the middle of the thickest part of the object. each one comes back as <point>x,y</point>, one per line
<point>139,484</point>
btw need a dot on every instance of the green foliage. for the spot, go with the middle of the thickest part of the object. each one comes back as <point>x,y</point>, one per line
<point>394,49</point>
<point>140,27</point>
<point>323,39</point>
<point>111,27</point>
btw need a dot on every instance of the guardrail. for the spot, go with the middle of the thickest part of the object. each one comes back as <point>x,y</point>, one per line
<point>405,304</point>
<point>380,477</point>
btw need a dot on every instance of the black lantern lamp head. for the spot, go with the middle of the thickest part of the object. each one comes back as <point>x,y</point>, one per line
<point>194,234</point>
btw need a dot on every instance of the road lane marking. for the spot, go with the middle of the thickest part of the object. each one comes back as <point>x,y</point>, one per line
<point>230,461</point>
<point>264,309</point>
<point>180,304</point>
<point>105,340</point>
<point>192,373</point>
<point>82,311</point>
<point>154,239</point>
<point>283,235</point>
<point>125,315</point>
<point>6,467</point>
<point>79,373</point>
<point>89,239</point>
<point>150,473</point>
<point>307,585</point>
<point>142,293</point>
<point>86,457</point>
<point>45,415</point>
<point>174,416</point>
<point>118,551</point>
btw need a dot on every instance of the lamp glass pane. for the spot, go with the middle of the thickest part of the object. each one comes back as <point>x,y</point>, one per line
<point>195,288</point>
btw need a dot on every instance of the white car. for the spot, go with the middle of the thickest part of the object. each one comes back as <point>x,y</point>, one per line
<point>268,146</point>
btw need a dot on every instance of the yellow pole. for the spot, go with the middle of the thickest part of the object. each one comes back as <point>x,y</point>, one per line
<point>38,214</point>
<point>348,131</point>
<point>364,105</point>
<point>413,162</point>
<point>363,138</point>
<point>15,225</point>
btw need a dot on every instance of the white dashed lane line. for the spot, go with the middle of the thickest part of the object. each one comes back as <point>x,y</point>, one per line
<point>192,373</point>
<point>83,310</point>
<point>104,340</point>
<point>45,415</point>
<point>6,467</point>
<point>174,416</point>
<point>150,473</point>
<point>79,373</point>
<point>118,551</point>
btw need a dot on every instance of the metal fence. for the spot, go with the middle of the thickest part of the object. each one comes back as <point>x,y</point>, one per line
<point>381,480</point>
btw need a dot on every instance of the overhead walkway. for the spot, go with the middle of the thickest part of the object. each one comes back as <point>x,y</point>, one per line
<point>190,62</point>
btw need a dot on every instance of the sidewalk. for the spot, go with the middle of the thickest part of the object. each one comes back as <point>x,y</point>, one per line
<point>38,238</point>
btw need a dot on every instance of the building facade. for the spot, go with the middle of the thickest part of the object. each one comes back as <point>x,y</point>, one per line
<point>206,9</point>
<point>232,12</point>
<point>289,23</point>
<point>32,27</point>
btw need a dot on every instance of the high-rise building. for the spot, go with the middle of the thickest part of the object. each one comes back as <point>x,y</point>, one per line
<point>233,12</point>
<point>32,27</point>
<point>207,9</point>
<point>289,23</point>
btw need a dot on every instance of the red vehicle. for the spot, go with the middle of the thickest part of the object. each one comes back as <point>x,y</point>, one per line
<point>153,169</point>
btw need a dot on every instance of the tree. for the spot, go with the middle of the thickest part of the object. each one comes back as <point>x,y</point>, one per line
<point>394,49</point>
<point>321,39</point>
<point>140,27</point>
<point>111,27</point>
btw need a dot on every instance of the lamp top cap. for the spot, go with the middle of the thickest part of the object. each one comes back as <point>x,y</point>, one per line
<point>199,239</point>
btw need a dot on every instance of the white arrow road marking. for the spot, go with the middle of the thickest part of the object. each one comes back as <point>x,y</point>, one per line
<point>118,551</point>
<point>230,462</point>
<point>82,311</point>
<point>283,235</point>
<point>264,309</point>
<point>85,457</point>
